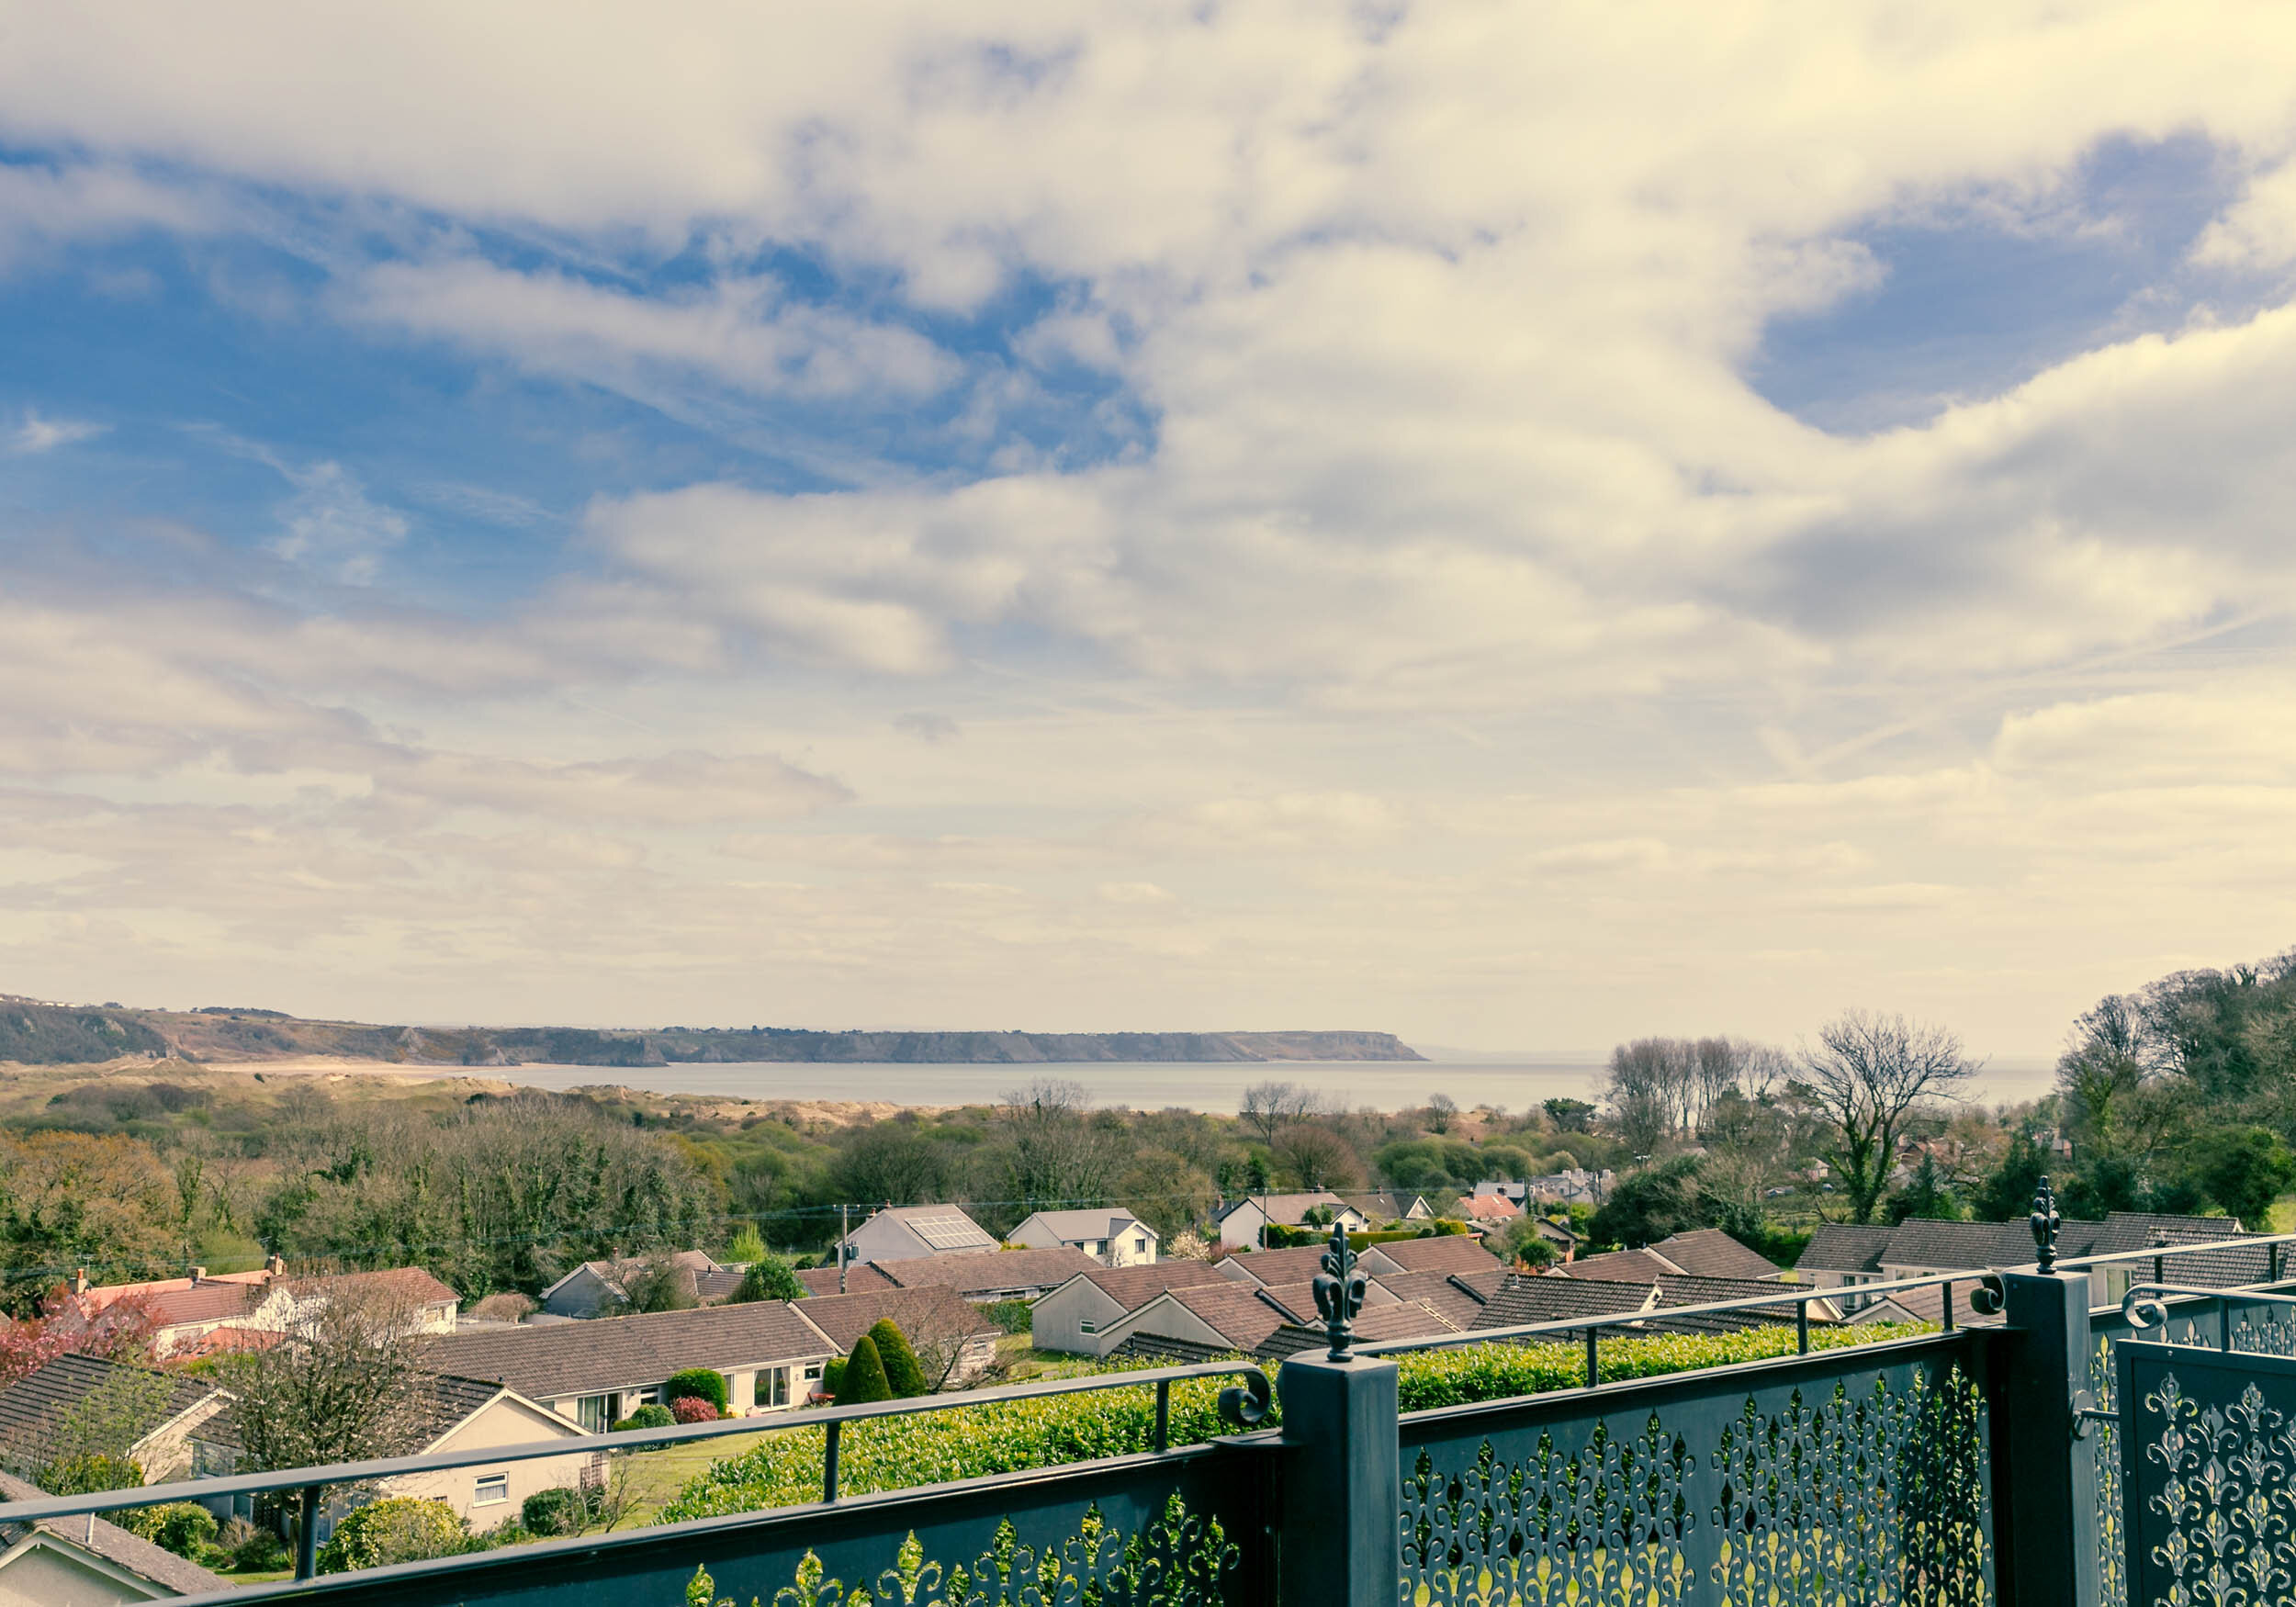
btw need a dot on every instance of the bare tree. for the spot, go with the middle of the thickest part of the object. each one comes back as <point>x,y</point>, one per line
<point>1316,1157</point>
<point>1868,1074</point>
<point>344,1384</point>
<point>1269,1108</point>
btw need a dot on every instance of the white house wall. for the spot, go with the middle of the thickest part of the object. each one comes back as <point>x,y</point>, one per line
<point>1057,1321</point>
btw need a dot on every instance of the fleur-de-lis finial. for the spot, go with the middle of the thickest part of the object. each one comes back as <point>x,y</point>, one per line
<point>2045,1224</point>
<point>1339,1292</point>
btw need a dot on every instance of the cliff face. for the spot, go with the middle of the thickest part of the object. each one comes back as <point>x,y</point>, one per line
<point>67,1038</point>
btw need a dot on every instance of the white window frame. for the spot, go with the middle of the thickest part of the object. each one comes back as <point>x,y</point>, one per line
<point>500,1483</point>
<point>1088,1325</point>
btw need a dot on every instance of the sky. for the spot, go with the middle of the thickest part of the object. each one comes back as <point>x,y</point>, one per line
<point>1519,526</point>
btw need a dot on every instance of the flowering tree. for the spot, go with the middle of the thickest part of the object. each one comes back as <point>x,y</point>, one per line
<point>71,1324</point>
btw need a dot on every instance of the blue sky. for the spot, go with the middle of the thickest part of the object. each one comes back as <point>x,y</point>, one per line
<point>1520,535</point>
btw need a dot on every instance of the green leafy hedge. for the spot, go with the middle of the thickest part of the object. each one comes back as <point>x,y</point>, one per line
<point>1010,1436</point>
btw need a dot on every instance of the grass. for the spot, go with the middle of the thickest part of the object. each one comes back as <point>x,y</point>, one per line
<point>656,1475</point>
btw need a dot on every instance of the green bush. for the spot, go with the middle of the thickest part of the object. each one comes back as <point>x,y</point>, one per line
<point>396,1529</point>
<point>768,1278</point>
<point>562,1510</point>
<point>864,1379</point>
<point>832,1376</point>
<point>904,1376</point>
<point>177,1526</point>
<point>652,1415</point>
<point>1010,1436</point>
<point>1012,1316</point>
<point>700,1383</point>
<point>90,1475</point>
<point>254,1550</point>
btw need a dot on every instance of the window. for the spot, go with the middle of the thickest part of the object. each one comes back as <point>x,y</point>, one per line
<point>1140,1244</point>
<point>595,1414</point>
<point>1088,1326</point>
<point>777,1387</point>
<point>813,1371</point>
<point>494,1488</point>
<point>1092,1247</point>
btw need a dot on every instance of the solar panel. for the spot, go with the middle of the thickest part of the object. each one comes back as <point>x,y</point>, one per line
<point>947,1232</point>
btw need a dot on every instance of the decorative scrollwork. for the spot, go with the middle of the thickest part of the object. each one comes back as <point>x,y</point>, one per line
<point>2225,1495</point>
<point>1245,1405</point>
<point>1339,1291</point>
<point>1177,1559</point>
<point>2046,1224</point>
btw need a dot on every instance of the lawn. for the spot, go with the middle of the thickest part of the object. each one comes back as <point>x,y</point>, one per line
<point>656,1475</point>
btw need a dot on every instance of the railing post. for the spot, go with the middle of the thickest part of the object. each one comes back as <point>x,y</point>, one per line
<point>2046,1537</point>
<point>1339,1537</point>
<point>306,1534</point>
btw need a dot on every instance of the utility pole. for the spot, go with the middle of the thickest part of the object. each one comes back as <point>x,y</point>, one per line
<point>844,1251</point>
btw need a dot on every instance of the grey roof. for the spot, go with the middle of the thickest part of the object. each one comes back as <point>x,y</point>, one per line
<point>30,1407</point>
<point>1133,1287</point>
<point>1519,1301</point>
<point>1284,1209</point>
<point>624,1352</point>
<point>935,1313</point>
<point>1167,1351</point>
<point>1385,1205</point>
<point>1374,1325</point>
<point>1952,1246</point>
<point>944,1229</point>
<point>1845,1247</point>
<point>1677,1291</point>
<point>1077,1226</point>
<point>1641,1266</point>
<point>859,1276</point>
<point>1711,1252</point>
<point>981,1277</point>
<point>2209,1269</point>
<point>1459,1297</point>
<point>113,1544</point>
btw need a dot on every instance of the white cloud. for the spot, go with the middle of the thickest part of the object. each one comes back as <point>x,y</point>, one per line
<point>37,434</point>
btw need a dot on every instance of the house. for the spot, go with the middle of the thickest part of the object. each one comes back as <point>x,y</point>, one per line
<point>1261,1268</point>
<point>1633,1266</point>
<point>913,1233</point>
<point>182,1441</point>
<point>1711,1252</point>
<point>1515,1194</point>
<point>200,1315</point>
<point>1392,1206</point>
<point>1115,1238</point>
<point>1843,1254</point>
<point>1225,1316</point>
<point>86,1562</point>
<point>1458,1297</point>
<point>597,1372</point>
<point>1575,1186</point>
<point>1446,1252</point>
<point>1566,1239</point>
<point>858,1275</point>
<point>1522,1300</point>
<point>599,1289</point>
<point>1011,1275</point>
<point>1488,1210</point>
<point>954,1343</point>
<point>1242,1222</point>
<point>458,1413</point>
<point>1075,1317</point>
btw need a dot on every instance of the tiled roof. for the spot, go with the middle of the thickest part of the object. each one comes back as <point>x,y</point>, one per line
<point>1283,1209</point>
<point>1295,1301</point>
<point>441,1400</point>
<point>944,1227</point>
<point>1638,1267</point>
<point>2208,1269</point>
<point>1460,1297</point>
<point>1273,1266</point>
<point>1165,1351</point>
<point>113,1544</point>
<point>621,1352</point>
<point>1952,1246</point>
<point>1845,1247</point>
<point>983,1276</point>
<point>1711,1252</point>
<point>933,1314</point>
<point>1441,1252</point>
<point>413,1284</point>
<point>1374,1325</point>
<point>1232,1310</point>
<point>1677,1291</point>
<point>1519,1301</point>
<point>1388,1206</point>
<point>1133,1287</point>
<point>103,1295</point>
<point>204,1302</point>
<point>1077,1226</point>
<point>30,1407</point>
<point>859,1276</point>
<point>1492,1207</point>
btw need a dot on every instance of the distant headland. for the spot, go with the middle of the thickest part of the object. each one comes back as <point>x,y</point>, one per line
<point>34,1032</point>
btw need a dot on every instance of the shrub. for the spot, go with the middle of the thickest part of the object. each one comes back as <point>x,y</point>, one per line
<point>864,1379</point>
<point>90,1475</point>
<point>832,1376</point>
<point>697,1383</point>
<point>768,1278</point>
<point>395,1529</point>
<point>1012,1316</point>
<point>1010,1436</point>
<point>562,1510</point>
<point>252,1550</point>
<point>650,1416</point>
<point>904,1376</point>
<point>691,1408</point>
<point>177,1526</point>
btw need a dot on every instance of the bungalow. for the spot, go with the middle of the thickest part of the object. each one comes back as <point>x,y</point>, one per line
<point>913,1233</point>
<point>182,1440</point>
<point>1711,1252</point>
<point>857,1276</point>
<point>87,1562</point>
<point>1442,1253</point>
<point>1013,1275</point>
<point>1242,1222</point>
<point>954,1343</point>
<point>1075,1318</point>
<point>597,1372</point>
<point>1841,1254</point>
<point>1392,1205</point>
<point>1488,1210</point>
<point>600,1288</point>
<point>1114,1238</point>
<point>1222,1317</point>
<point>199,1314</point>
<point>458,1413</point>
<point>1458,1297</point>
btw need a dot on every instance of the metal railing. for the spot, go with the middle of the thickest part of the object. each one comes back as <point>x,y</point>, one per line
<point>1244,1405</point>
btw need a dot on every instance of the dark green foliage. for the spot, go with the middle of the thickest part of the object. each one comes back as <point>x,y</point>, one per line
<point>1012,1316</point>
<point>768,1278</point>
<point>1570,1116</point>
<point>177,1526</point>
<point>2007,1192</point>
<point>700,1383</point>
<point>903,1376</point>
<point>254,1550</point>
<point>1927,1195</point>
<point>864,1379</point>
<point>2243,1170</point>
<point>562,1510</point>
<point>652,1415</point>
<point>1653,1204</point>
<point>832,1374</point>
<point>395,1529</point>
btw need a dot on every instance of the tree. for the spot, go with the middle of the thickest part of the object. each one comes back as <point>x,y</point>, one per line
<point>1267,1108</point>
<point>2008,1190</point>
<point>659,1284</point>
<point>2244,1169</point>
<point>747,1247</point>
<point>895,1162</point>
<point>1163,1190</point>
<point>93,1440</point>
<point>1928,1195</point>
<point>1055,1154</point>
<point>864,1379</point>
<point>1522,1241</point>
<point>697,1383</point>
<point>1570,1116</point>
<point>393,1530</point>
<point>345,1384</point>
<point>1867,1076</point>
<point>1653,1204</point>
<point>71,1324</point>
<point>768,1278</point>
<point>903,1376</point>
<point>1315,1157</point>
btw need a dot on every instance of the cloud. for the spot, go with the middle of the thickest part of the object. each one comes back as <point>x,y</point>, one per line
<point>38,435</point>
<point>926,726</point>
<point>46,206</point>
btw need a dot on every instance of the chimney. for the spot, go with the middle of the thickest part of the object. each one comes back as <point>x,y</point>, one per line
<point>276,1264</point>
<point>79,1281</point>
<point>198,1273</point>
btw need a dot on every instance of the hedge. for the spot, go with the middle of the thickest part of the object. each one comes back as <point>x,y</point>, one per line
<point>700,1382</point>
<point>396,1529</point>
<point>901,1452</point>
<point>903,1376</point>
